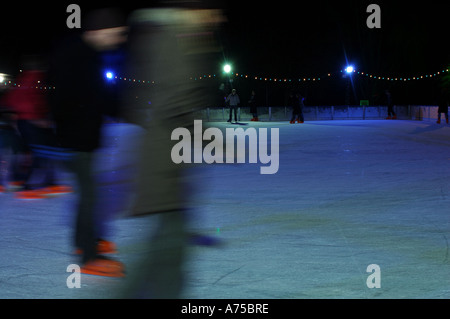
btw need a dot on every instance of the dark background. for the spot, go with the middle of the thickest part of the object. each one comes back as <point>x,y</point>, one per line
<point>287,39</point>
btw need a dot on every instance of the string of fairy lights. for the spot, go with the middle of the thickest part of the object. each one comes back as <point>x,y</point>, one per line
<point>348,71</point>
<point>328,75</point>
<point>403,78</point>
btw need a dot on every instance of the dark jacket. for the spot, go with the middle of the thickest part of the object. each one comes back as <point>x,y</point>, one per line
<point>82,96</point>
<point>252,103</point>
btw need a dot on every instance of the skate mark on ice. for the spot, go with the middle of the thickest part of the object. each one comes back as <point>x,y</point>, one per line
<point>227,274</point>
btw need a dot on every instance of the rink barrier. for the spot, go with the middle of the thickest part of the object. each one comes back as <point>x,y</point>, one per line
<point>321,113</point>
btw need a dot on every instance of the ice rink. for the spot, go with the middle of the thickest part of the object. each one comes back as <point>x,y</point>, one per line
<point>347,195</point>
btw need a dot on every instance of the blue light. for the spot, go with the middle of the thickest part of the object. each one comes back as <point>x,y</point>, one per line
<point>109,75</point>
<point>349,69</point>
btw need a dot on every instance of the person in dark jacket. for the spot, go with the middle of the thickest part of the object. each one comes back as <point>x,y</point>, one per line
<point>14,155</point>
<point>390,105</point>
<point>296,101</point>
<point>443,107</point>
<point>233,102</point>
<point>81,99</point>
<point>253,106</point>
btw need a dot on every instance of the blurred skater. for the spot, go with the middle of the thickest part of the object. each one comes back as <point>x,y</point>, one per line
<point>29,103</point>
<point>167,44</point>
<point>253,106</point>
<point>82,99</point>
<point>233,102</point>
<point>14,156</point>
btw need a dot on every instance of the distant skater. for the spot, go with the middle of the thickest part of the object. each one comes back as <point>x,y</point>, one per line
<point>442,108</point>
<point>233,102</point>
<point>252,104</point>
<point>296,101</point>
<point>390,105</point>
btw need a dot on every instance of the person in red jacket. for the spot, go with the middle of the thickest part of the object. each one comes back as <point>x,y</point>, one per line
<point>28,101</point>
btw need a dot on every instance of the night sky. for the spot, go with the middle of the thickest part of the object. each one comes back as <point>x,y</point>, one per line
<point>317,37</point>
<point>287,39</point>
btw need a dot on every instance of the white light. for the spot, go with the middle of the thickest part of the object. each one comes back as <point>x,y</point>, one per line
<point>2,77</point>
<point>349,69</point>
<point>227,68</point>
<point>109,75</point>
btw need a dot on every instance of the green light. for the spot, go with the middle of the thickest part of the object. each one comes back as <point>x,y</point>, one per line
<point>227,68</point>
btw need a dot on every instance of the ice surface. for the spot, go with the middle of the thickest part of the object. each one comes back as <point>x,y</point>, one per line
<point>348,194</point>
